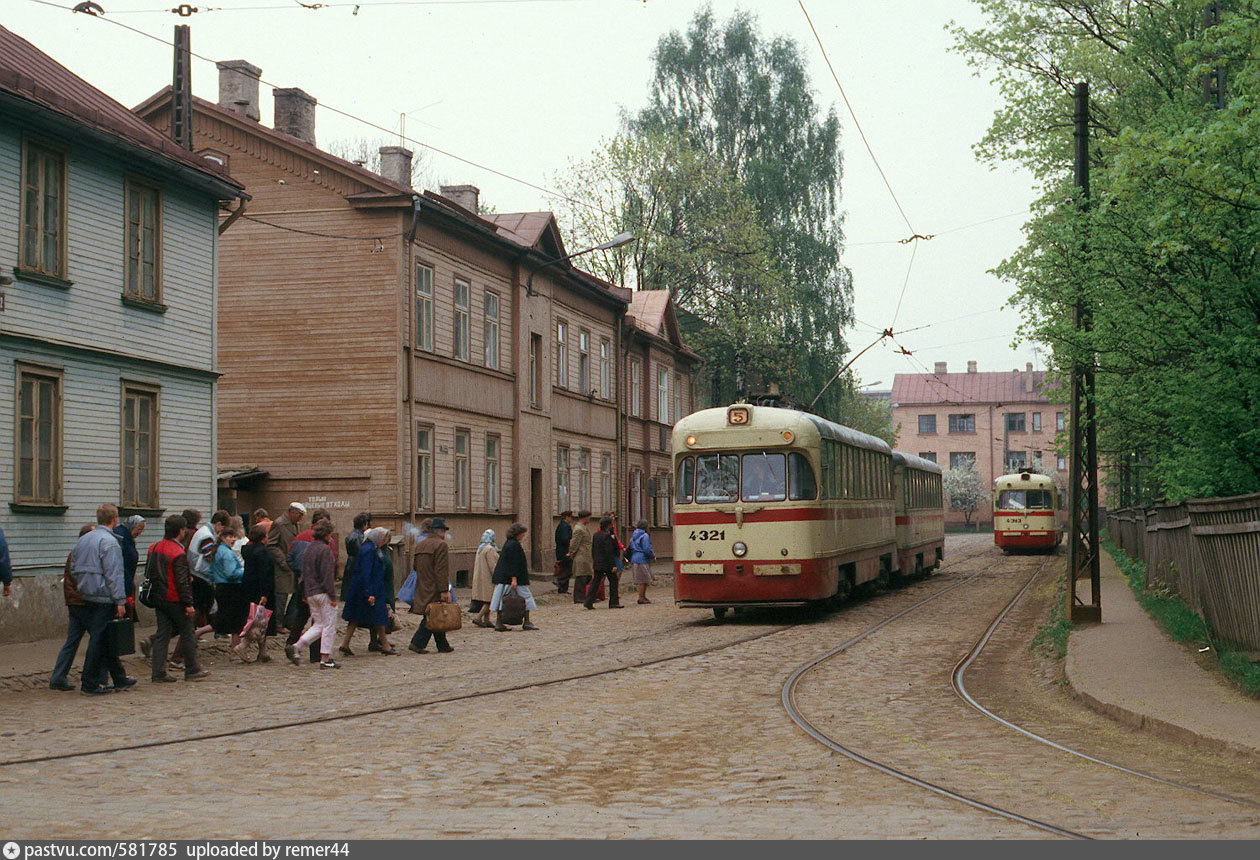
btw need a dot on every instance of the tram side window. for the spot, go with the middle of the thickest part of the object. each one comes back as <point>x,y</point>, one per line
<point>801,483</point>
<point>717,478</point>
<point>765,478</point>
<point>686,478</point>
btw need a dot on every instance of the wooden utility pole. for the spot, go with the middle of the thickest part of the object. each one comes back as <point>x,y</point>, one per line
<point>1083,549</point>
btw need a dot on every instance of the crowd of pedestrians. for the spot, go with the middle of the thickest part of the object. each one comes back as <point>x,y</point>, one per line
<point>213,577</point>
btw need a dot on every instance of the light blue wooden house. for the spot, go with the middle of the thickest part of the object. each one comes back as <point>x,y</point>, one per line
<point>108,285</point>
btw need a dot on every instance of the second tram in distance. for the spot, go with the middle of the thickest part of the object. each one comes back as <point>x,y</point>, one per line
<point>777,507</point>
<point>1024,512</point>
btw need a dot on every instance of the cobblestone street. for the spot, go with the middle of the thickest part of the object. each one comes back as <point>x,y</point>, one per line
<point>648,742</point>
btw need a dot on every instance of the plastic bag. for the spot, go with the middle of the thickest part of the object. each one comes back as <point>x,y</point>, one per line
<point>256,624</point>
<point>408,591</point>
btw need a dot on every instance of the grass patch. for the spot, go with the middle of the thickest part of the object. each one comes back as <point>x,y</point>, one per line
<point>1182,623</point>
<point>1052,636</point>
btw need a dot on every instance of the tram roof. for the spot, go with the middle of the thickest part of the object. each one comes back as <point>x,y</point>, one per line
<point>1023,480</point>
<point>778,418</point>
<point>903,459</point>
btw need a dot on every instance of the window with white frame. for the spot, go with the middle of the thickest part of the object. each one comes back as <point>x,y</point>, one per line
<point>636,495</point>
<point>584,478</point>
<point>1061,463</point>
<point>462,500</point>
<point>678,397</point>
<point>460,348</point>
<point>605,482</point>
<point>535,368</point>
<point>492,472</point>
<point>662,395</point>
<point>605,369</point>
<point>424,468</point>
<point>584,362</point>
<point>424,307</point>
<point>562,354</point>
<point>492,331</point>
<point>636,389</point>
<point>562,478</point>
<point>660,500</point>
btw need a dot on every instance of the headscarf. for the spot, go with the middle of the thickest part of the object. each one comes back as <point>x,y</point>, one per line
<point>487,538</point>
<point>376,535</point>
<point>132,521</point>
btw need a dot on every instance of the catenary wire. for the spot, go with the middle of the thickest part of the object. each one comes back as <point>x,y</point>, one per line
<point>316,6</point>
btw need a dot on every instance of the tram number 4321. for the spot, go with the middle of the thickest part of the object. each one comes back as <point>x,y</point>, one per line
<point>709,534</point>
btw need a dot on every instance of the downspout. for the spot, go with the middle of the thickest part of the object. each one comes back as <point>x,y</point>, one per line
<point>619,465</point>
<point>623,418</point>
<point>408,246</point>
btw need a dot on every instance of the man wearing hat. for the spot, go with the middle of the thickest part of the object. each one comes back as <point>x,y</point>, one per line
<point>433,578</point>
<point>279,540</point>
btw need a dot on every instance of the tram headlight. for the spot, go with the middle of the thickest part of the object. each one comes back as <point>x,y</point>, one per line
<point>691,441</point>
<point>740,549</point>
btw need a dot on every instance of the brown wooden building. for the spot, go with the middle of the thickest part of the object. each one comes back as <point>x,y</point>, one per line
<point>659,378</point>
<point>379,347</point>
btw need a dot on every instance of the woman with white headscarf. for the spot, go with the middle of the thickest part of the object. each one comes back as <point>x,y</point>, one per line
<point>482,583</point>
<point>367,599</point>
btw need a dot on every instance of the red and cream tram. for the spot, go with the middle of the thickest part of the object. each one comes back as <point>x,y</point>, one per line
<point>776,507</point>
<point>920,514</point>
<point>1024,507</point>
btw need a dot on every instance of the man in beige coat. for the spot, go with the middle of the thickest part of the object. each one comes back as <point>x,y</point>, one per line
<point>279,540</point>
<point>580,552</point>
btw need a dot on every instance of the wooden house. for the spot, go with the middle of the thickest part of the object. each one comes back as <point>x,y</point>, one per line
<point>387,350</point>
<point>108,239</point>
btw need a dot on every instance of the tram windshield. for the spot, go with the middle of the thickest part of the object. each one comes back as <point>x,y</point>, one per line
<point>753,476</point>
<point>1023,500</point>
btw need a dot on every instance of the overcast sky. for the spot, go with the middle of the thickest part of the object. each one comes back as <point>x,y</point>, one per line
<point>523,86</point>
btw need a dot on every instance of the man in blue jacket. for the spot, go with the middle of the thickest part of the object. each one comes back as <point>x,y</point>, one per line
<point>96,564</point>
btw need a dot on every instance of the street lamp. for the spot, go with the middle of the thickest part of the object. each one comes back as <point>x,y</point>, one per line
<point>615,242</point>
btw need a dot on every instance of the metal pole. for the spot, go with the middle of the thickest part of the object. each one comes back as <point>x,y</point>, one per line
<point>1083,550</point>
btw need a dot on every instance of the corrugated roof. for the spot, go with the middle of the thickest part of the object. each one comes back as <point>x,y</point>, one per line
<point>927,388</point>
<point>29,74</point>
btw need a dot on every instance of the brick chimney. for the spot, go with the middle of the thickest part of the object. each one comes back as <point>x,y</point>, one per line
<point>396,164</point>
<point>1028,378</point>
<point>462,195</point>
<point>941,367</point>
<point>971,367</point>
<point>238,87</point>
<point>295,114</point>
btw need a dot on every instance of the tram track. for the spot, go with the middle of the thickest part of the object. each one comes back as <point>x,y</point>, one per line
<point>958,682</point>
<point>794,712</point>
<point>439,700</point>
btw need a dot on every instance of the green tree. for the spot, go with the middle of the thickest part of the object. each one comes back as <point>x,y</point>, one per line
<point>746,101</point>
<point>1165,254</point>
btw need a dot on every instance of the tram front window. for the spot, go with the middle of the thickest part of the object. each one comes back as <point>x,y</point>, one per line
<point>717,478</point>
<point>1023,500</point>
<point>765,478</point>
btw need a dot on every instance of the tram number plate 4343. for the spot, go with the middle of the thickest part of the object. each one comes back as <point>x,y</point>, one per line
<point>709,534</point>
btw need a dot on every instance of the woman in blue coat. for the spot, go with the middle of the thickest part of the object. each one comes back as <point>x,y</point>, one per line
<point>641,557</point>
<point>367,599</point>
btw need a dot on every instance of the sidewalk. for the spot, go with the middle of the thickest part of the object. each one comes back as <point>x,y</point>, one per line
<point>1128,669</point>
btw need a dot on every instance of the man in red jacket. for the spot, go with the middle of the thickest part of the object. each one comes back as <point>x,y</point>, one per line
<point>167,568</point>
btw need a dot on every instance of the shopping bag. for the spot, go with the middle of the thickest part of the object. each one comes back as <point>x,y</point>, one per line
<point>443,617</point>
<point>512,607</point>
<point>256,624</point>
<point>408,591</point>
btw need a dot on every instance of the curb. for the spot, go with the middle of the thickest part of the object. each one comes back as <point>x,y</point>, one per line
<point>1146,722</point>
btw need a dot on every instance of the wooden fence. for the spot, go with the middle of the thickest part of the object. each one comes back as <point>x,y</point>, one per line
<point>1206,550</point>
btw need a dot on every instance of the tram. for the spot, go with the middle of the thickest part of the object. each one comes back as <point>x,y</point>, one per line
<point>1024,506</point>
<point>777,507</point>
<point>920,514</point>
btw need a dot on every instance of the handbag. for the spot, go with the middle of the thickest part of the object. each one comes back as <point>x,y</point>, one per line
<point>120,635</point>
<point>407,593</point>
<point>144,593</point>
<point>293,612</point>
<point>443,617</point>
<point>511,607</point>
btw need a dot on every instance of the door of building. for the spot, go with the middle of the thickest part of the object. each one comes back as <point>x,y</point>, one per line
<point>538,534</point>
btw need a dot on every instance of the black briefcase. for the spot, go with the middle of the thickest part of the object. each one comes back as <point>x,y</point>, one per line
<point>120,635</point>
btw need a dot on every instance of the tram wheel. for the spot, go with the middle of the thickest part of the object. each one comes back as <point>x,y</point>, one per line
<point>719,613</point>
